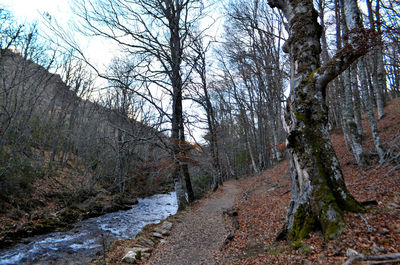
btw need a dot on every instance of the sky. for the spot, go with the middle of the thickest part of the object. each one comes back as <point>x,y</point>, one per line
<point>27,11</point>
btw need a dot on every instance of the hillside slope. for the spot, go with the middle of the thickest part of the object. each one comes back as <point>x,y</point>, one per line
<point>263,202</point>
<point>63,157</point>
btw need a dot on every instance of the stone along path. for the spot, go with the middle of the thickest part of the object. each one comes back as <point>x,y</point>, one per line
<point>200,233</point>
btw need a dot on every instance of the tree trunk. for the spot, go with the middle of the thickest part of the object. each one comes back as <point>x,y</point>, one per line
<point>382,82</point>
<point>351,111</point>
<point>319,194</point>
<point>354,23</point>
<point>357,107</point>
<point>352,128</point>
<point>184,166</point>
<point>378,74</point>
<point>214,150</point>
<point>230,169</point>
<point>180,193</point>
<point>211,122</point>
<point>217,174</point>
<point>188,183</point>
<point>370,111</point>
<point>178,135</point>
<point>176,115</point>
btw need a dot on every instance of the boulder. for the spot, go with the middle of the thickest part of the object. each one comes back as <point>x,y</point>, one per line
<point>157,235</point>
<point>161,231</point>
<point>146,242</point>
<point>166,225</point>
<point>351,253</point>
<point>138,249</point>
<point>135,253</point>
<point>130,258</point>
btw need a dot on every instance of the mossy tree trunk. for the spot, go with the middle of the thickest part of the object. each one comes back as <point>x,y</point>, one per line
<point>319,194</point>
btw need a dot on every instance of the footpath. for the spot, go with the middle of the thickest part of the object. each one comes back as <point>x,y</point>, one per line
<point>199,235</point>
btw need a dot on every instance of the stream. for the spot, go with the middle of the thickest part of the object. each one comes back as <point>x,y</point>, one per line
<point>81,244</point>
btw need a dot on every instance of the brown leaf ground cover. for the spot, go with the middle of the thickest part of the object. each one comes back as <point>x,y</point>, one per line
<point>263,202</point>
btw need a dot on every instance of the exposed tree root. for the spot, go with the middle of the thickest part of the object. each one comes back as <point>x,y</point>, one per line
<point>235,224</point>
<point>379,259</point>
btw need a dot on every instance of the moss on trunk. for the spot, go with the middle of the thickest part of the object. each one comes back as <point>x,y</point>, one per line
<point>329,197</point>
<point>304,223</point>
<point>319,193</point>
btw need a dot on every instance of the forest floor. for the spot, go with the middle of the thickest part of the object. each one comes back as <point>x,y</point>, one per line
<point>263,200</point>
<point>199,235</point>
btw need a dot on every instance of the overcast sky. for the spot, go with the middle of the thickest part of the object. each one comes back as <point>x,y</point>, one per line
<point>30,10</point>
<point>27,11</point>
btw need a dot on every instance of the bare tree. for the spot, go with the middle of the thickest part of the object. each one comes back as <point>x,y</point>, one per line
<point>353,21</point>
<point>201,95</point>
<point>157,33</point>
<point>352,123</point>
<point>378,72</point>
<point>254,78</point>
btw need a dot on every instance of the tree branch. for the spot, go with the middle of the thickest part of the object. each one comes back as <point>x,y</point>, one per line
<point>388,257</point>
<point>281,4</point>
<point>360,42</point>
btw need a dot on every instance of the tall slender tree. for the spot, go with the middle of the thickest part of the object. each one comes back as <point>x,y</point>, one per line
<point>156,33</point>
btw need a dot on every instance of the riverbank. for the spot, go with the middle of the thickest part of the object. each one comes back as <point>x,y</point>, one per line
<point>196,232</point>
<point>87,238</point>
<point>50,216</point>
<point>15,231</point>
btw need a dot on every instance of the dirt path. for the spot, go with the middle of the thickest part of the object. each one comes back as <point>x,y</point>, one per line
<point>200,232</point>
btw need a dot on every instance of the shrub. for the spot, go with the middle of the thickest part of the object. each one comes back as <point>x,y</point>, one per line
<point>17,176</point>
<point>201,184</point>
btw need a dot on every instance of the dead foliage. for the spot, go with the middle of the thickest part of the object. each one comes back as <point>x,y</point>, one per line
<point>375,233</point>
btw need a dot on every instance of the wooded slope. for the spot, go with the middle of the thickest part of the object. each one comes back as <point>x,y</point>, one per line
<point>263,202</point>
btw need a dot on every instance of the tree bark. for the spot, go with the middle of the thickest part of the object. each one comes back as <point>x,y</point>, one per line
<point>319,194</point>
<point>370,112</point>
<point>357,105</point>
<point>354,23</point>
<point>378,74</point>
<point>352,128</point>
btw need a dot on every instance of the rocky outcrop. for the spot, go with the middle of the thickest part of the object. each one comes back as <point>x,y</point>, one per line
<point>144,246</point>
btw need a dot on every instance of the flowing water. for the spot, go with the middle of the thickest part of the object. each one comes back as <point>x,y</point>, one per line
<point>86,239</point>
